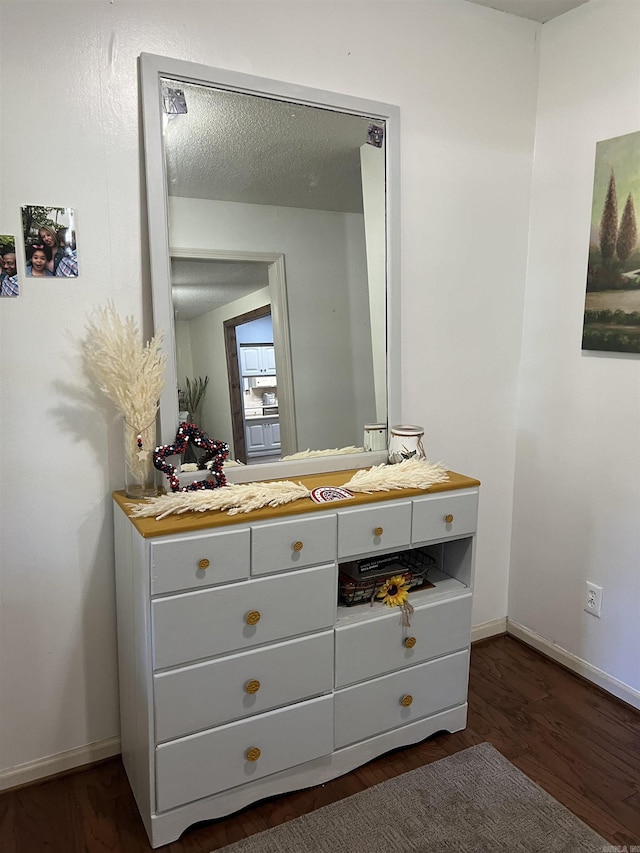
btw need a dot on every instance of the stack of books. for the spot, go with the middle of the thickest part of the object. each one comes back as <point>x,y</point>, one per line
<point>360,580</point>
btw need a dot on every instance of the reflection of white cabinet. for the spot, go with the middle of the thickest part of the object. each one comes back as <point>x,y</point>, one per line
<point>257,359</point>
<point>242,677</point>
<point>262,436</point>
<point>269,360</point>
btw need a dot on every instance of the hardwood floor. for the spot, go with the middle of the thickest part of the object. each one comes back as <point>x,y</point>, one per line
<point>579,744</point>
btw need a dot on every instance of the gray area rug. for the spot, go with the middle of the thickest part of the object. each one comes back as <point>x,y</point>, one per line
<point>472,802</point>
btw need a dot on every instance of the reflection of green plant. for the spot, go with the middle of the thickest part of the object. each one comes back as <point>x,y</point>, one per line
<point>190,397</point>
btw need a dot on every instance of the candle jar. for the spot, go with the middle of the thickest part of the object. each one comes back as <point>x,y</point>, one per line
<point>405,442</point>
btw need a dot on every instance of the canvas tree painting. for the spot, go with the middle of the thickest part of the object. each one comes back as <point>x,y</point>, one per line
<point>612,304</point>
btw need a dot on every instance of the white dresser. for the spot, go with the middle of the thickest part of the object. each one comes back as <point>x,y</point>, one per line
<point>242,677</point>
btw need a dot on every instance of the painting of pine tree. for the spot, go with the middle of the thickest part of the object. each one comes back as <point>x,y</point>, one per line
<point>612,303</point>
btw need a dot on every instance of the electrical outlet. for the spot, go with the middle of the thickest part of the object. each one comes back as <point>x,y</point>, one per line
<point>593,599</point>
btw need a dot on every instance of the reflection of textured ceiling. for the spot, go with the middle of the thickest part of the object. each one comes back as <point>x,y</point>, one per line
<point>236,147</point>
<point>536,10</point>
<point>203,285</point>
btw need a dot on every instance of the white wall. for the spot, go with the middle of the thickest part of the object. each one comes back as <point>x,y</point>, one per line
<point>184,355</point>
<point>467,125</point>
<point>577,487</point>
<point>464,78</point>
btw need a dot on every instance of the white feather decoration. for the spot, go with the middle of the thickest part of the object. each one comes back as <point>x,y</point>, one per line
<point>131,374</point>
<point>409,474</point>
<point>232,498</point>
<point>335,451</point>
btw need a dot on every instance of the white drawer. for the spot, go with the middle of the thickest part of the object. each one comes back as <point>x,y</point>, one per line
<point>442,516</point>
<point>206,763</point>
<point>208,694</point>
<point>210,622</point>
<point>375,646</point>
<point>375,529</point>
<point>283,545</point>
<point>377,706</point>
<point>188,562</point>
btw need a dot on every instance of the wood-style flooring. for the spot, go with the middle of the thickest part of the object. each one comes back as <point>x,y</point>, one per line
<point>579,744</point>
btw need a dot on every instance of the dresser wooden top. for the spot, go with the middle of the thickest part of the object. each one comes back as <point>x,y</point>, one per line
<point>190,521</point>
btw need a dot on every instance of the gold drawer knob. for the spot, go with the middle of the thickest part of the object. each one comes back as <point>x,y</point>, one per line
<point>252,686</point>
<point>252,754</point>
<point>378,531</point>
<point>406,700</point>
<point>409,642</point>
<point>298,546</point>
<point>448,518</point>
<point>203,564</point>
<point>252,617</point>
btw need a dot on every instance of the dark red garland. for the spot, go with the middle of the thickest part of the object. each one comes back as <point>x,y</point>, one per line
<point>216,452</point>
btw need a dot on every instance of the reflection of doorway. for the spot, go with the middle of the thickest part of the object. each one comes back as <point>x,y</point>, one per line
<point>277,290</point>
<point>239,389</point>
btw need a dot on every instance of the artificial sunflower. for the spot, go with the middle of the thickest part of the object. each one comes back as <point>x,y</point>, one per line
<point>394,591</point>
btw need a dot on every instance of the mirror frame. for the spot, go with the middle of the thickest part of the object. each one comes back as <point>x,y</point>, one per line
<point>152,68</point>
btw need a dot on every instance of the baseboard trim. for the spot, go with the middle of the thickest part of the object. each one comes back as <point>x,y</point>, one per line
<point>33,771</point>
<point>489,629</point>
<point>575,664</point>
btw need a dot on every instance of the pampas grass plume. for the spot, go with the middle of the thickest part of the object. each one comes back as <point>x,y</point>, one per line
<point>129,372</point>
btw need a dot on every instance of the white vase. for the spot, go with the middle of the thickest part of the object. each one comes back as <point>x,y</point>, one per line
<point>140,473</point>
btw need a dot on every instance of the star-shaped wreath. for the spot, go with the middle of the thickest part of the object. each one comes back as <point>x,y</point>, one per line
<point>213,458</point>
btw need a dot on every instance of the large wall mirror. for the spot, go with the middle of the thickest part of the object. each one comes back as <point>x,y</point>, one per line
<point>273,234</point>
